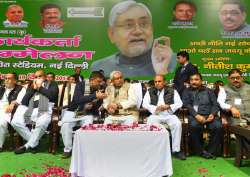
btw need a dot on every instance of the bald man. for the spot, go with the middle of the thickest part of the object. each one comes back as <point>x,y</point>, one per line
<point>162,102</point>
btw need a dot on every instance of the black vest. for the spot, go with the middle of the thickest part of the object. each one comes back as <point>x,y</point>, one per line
<point>12,95</point>
<point>168,95</point>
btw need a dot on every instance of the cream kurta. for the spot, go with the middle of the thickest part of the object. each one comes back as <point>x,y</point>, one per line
<point>125,97</point>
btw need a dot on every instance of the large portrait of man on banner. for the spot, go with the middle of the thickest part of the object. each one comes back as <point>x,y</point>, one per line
<point>131,31</point>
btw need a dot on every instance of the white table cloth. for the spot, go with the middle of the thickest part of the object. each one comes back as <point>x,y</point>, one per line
<point>121,154</point>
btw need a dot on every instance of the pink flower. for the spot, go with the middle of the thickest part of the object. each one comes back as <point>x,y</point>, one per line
<point>6,175</point>
<point>120,127</point>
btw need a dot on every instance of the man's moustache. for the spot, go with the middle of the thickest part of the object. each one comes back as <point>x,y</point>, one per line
<point>136,40</point>
<point>229,20</point>
<point>53,17</point>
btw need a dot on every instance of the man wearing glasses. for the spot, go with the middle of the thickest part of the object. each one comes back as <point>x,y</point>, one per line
<point>120,102</point>
<point>130,29</point>
<point>11,96</point>
<point>234,97</point>
<point>232,16</point>
<point>36,106</point>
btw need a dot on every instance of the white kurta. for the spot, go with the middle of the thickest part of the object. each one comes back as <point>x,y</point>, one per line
<point>222,99</point>
<point>6,117</point>
<point>68,123</point>
<point>166,116</point>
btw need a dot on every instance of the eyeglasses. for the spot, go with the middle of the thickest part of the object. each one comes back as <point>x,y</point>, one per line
<point>39,76</point>
<point>232,13</point>
<point>117,78</point>
<point>131,26</point>
<point>235,78</point>
<point>157,81</point>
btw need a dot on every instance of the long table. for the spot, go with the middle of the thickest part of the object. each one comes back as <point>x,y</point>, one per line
<point>121,154</point>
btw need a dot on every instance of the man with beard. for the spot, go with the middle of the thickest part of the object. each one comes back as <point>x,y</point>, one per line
<point>51,18</point>
<point>130,29</point>
<point>232,16</point>
<point>36,106</point>
<point>202,110</point>
<point>11,96</point>
<point>15,16</point>
<point>89,104</point>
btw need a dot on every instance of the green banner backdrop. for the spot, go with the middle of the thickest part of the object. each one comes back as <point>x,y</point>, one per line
<point>83,39</point>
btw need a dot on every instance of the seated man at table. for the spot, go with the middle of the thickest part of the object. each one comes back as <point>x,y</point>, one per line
<point>202,111</point>
<point>36,106</point>
<point>120,102</point>
<point>234,98</point>
<point>88,104</point>
<point>11,96</point>
<point>162,101</point>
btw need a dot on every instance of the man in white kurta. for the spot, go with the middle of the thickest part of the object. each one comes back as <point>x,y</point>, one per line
<point>11,95</point>
<point>120,102</point>
<point>88,104</point>
<point>162,101</point>
<point>36,106</point>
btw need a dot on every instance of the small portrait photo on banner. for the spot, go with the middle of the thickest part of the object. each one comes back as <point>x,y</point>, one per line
<point>14,14</point>
<point>51,21</point>
<point>232,15</point>
<point>184,12</point>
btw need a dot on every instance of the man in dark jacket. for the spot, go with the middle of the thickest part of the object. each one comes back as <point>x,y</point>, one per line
<point>182,74</point>
<point>11,95</point>
<point>202,111</point>
<point>77,75</point>
<point>36,106</point>
<point>87,104</point>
